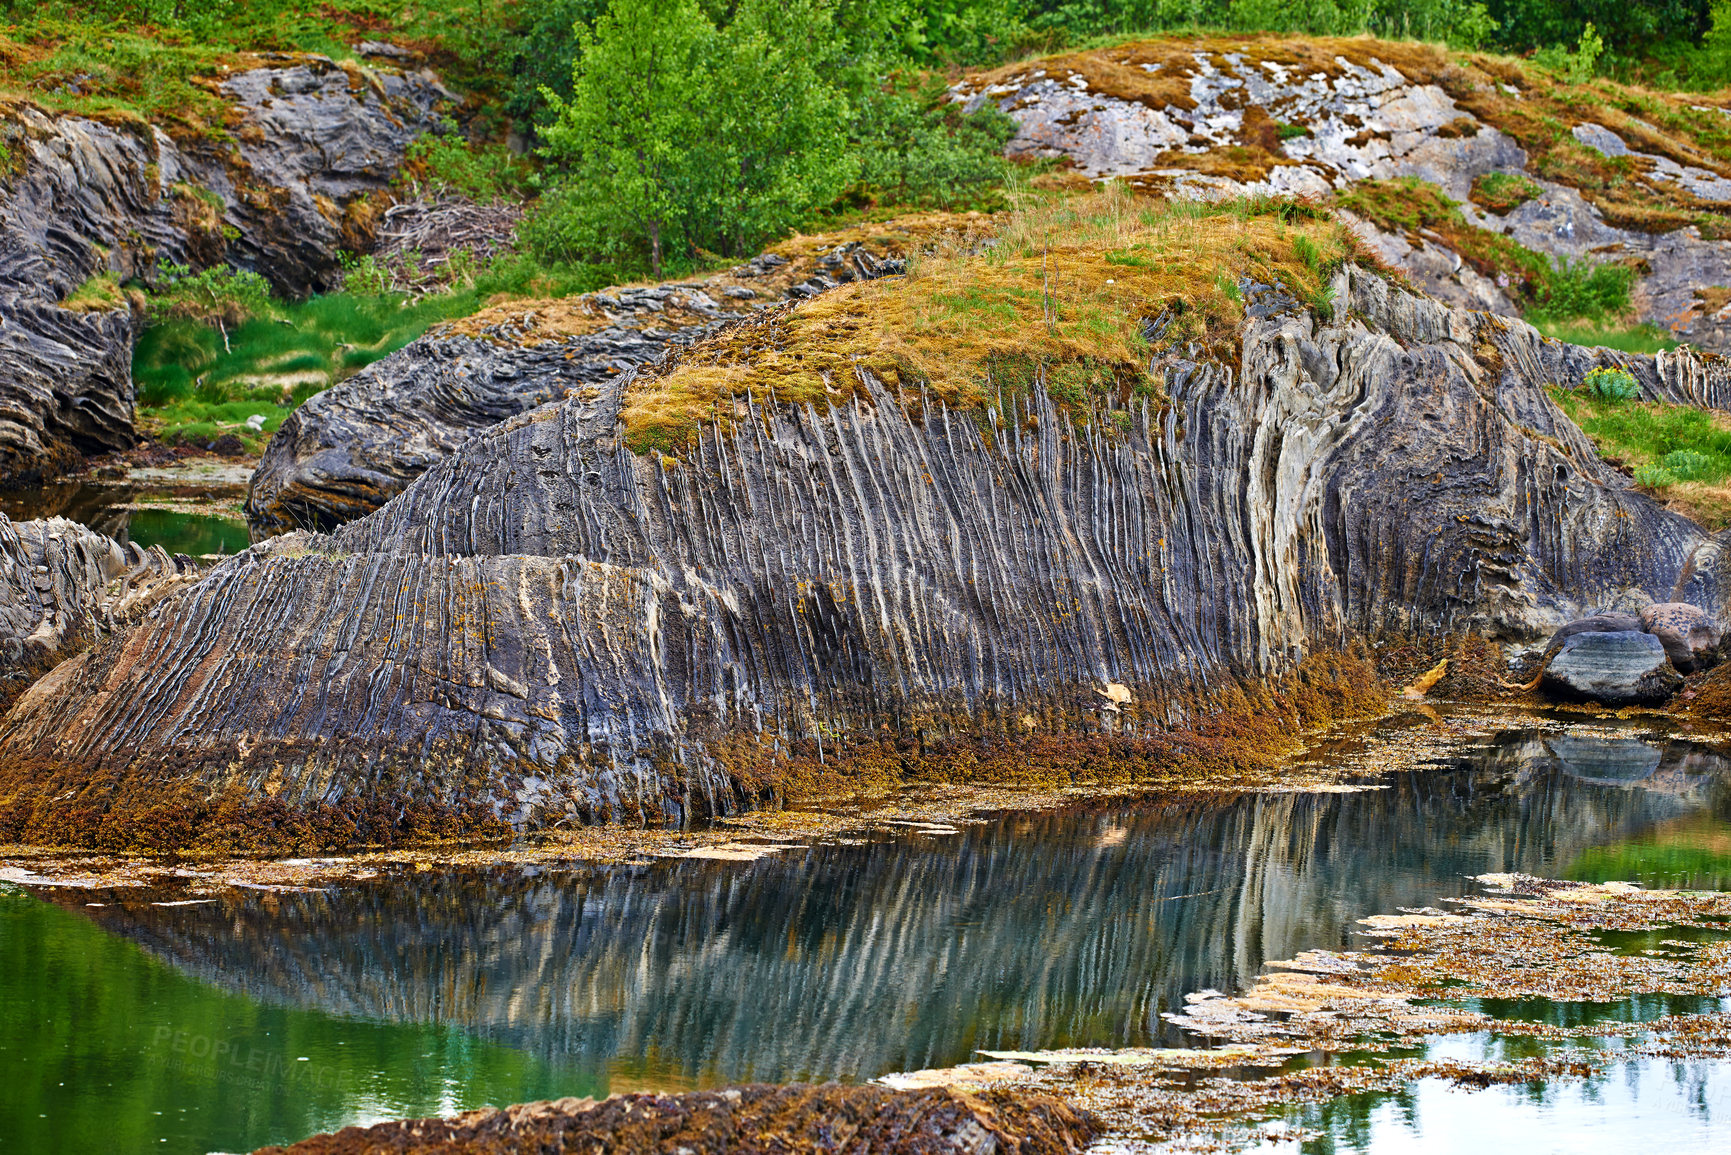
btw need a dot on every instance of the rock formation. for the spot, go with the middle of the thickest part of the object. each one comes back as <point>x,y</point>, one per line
<point>547,627</point>
<point>755,1120</point>
<point>91,200</point>
<point>62,586</point>
<point>1219,116</point>
<point>353,447</point>
<point>1617,668</point>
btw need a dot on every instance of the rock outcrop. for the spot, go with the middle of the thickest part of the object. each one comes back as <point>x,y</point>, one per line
<point>757,1120</point>
<point>547,627</point>
<point>1216,116</point>
<point>92,204</point>
<point>1690,637</point>
<point>348,450</point>
<point>63,586</point>
<point>1617,668</point>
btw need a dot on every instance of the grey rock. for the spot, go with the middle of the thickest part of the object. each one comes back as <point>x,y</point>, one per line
<point>63,586</point>
<point>350,449</point>
<point>551,627</point>
<point>1368,121</point>
<point>1689,635</point>
<point>92,199</point>
<point>1621,668</point>
<point>1596,624</point>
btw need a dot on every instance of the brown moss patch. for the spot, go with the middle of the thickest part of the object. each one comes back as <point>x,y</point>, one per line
<point>796,1119</point>
<point>1243,734</point>
<point>1062,295</point>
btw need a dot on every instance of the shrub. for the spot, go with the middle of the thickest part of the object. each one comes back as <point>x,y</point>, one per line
<point>1687,464</point>
<point>447,163</point>
<point>1570,290</point>
<point>916,151</point>
<point>1614,385</point>
<point>1655,476</point>
<point>219,295</point>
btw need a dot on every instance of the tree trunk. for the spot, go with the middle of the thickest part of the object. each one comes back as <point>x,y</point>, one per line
<point>655,248</point>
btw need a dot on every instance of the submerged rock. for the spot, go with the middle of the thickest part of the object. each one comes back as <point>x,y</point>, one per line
<point>94,205</point>
<point>1690,637</point>
<point>546,627</point>
<point>788,1120</point>
<point>1622,668</point>
<point>350,449</point>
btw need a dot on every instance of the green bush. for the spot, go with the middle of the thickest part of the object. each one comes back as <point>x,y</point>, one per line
<point>449,163</point>
<point>219,295</point>
<point>1613,385</point>
<point>1580,290</point>
<point>1687,464</point>
<point>1655,476</point>
<point>915,150</point>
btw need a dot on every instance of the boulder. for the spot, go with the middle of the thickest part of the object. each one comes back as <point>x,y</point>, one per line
<point>1689,635</point>
<point>1595,624</point>
<point>1619,668</point>
<point>63,586</point>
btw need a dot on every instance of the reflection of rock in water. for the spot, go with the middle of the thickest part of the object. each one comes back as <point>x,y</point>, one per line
<point>1605,759</point>
<point>1036,930</point>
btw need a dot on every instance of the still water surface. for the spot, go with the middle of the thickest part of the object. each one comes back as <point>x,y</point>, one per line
<point>263,1017</point>
<point>198,520</point>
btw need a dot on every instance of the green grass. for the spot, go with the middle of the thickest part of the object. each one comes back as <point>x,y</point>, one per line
<point>192,389</point>
<point>1629,339</point>
<point>1680,453</point>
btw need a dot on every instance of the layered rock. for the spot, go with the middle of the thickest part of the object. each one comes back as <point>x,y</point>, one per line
<point>348,450</point>
<point>312,142</point>
<point>1616,667</point>
<point>1213,117</point>
<point>63,586</point>
<point>546,627</point>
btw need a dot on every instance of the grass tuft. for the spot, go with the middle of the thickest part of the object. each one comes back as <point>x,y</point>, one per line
<point>1060,294</point>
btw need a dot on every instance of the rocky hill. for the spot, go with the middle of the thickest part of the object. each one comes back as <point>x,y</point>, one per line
<point>1510,160</point>
<point>90,201</point>
<point>1080,495</point>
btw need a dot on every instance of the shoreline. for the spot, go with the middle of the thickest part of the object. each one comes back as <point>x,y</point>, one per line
<point>1344,756</point>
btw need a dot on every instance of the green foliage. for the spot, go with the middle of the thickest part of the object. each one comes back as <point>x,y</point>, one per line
<point>218,295</point>
<point>1570,290</point>
<point>680,137</point>
<point>1613,385</point>
<point>1502,192</point>
<point>916,151</point>
<point>1578,66</point>
<point>450,163</point>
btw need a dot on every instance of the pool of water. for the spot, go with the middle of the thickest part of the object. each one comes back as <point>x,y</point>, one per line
<point>198,520</point>
<point>258,1017</point>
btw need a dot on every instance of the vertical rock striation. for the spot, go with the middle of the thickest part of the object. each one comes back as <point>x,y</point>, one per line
<point>547,627</point>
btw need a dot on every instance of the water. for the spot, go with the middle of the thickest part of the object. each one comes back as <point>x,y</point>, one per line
<point>264,1017</point>
<point>197,519</point>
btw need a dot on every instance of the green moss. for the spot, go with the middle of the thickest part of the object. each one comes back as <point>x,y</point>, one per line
<point>1502,192</point>
<point>101,292</point>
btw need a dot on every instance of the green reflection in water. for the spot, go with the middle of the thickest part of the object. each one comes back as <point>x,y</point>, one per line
<point>178,1066</point>
<point>194,534</point>
<point>1694,854</point>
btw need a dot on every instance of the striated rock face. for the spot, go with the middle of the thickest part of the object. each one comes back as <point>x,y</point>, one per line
<point>311,144</point>
<point>789,1120</point>
<point>62,586</point>
<point>549,628</point>
<point>350,449</point>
